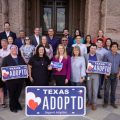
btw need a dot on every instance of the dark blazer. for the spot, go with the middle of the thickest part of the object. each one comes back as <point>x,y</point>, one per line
<point>18,42</point>
<point>70,41</point>
<point>9,61</point>
<point>4,36</point>
<point>33,40</point>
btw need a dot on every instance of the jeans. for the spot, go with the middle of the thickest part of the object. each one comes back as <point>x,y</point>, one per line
<point>92,88</point>
<point>110,82</point>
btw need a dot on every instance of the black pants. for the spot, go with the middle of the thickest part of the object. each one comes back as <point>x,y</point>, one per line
<point>14,89</point>
<point>110,82</point>
<point>28,82</point>
<point>60,80</point>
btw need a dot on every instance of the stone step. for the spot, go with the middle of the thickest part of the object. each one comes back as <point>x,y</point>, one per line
<point>100,101</point>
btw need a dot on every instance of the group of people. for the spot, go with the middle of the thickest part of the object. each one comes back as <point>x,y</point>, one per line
<point>73,52</point>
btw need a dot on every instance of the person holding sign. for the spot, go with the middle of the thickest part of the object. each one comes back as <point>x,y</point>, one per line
<point>62,74</point>
<point>92,78</point>
<point>38,67</point>
<point>112,79</point>
<point>77,68</point>
<point>14,86</point>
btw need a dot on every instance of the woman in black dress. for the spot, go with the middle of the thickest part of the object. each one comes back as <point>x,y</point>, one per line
<point>14,86</point>
<point>38,67</point>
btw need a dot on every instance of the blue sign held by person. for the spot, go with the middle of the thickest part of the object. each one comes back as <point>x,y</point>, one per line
<point>55,101</point>
<point>14,72</point>
<point>99,67</point>
<point>56,64</point>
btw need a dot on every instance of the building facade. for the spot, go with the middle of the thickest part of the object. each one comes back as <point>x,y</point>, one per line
<point>87,15</point>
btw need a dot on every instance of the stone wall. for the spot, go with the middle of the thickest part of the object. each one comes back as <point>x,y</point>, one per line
<point>113,19</point>
<point>105,15</point>
<point>1,21</point>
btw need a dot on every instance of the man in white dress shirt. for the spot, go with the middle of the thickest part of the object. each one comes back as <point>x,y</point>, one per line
<point>35,39</point>
<point>83,48</point>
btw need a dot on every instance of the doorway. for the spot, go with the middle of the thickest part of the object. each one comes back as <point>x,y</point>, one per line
<point>54,15</point>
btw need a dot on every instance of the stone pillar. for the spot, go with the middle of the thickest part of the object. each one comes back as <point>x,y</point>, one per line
<point>92,17</point>
<point>110,18</point>
<point>71,15</point>
<point>22,14</point>
<point>4,10</point>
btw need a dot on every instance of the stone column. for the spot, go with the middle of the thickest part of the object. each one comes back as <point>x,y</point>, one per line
<point>21,14</point>
<point>92,17</point>
<point>4,10</point>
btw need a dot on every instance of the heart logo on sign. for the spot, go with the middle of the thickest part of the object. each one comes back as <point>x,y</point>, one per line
<point>32,101</point>
<point>32,104</point>
<point>5,73</point>
<point>90,66</point>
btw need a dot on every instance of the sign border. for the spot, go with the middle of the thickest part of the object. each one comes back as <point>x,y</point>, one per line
<point>56,87</point>
<point>98,72</point>
<point>13,78</point>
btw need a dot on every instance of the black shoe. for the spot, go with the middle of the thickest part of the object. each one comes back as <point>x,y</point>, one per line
<point>105,105</point>
<point>15,111</point>
<point>114,105</point>
<point>19,107</point>
<point>4,105</point>
<point>99,96</point>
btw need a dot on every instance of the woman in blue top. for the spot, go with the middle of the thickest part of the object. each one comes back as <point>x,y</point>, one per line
<point>77,67</point>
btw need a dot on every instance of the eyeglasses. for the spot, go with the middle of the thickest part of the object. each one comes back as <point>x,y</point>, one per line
<point>64,40</point>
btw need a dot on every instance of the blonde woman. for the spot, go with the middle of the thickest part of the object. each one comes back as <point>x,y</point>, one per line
<point>62,75</point>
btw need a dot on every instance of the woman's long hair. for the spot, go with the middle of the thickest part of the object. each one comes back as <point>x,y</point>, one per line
<point>47,44</point>
<point>58,54</point>
<point>86,39</point>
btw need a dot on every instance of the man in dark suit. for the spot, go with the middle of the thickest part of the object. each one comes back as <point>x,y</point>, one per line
<point>70,39</point>
<point>35,39</point>
<point>7,32</point>
<point>53,40</point>
<point>20,40</point>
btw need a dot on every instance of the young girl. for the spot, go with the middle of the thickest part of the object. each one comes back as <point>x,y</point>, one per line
<point>10,41</point>
<point>88,42</point>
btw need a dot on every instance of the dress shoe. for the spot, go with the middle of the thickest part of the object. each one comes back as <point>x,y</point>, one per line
<point>88,104</point>
<point>15,111</point>
<point>114,105</point>
<point>105,105</point>
<point>4,105</point>
<point>94,107</point>
<point>19,108</point>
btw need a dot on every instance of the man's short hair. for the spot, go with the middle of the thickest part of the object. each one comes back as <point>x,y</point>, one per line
<point>114,43</point>
<point>4,40</point>
<point>6,23</point>
<point>93,45</point>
